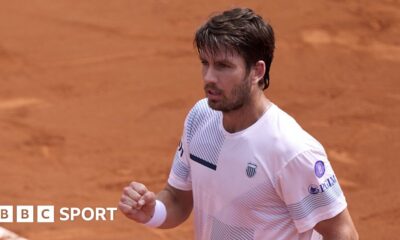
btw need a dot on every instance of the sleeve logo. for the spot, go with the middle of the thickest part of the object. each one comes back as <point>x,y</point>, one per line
<point>324,186</point>
<point>319,169</point>
<point>313,189</point>
<point>180,149</point>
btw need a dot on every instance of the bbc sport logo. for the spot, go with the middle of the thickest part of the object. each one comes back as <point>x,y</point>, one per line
<point>47,214</point>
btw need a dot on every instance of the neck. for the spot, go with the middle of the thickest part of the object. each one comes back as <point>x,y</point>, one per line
<point>247,115</point>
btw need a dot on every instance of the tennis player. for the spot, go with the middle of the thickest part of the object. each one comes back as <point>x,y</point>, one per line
<point>244,166</point>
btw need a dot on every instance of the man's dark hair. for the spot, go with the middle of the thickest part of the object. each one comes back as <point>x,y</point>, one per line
<point>240,30</point>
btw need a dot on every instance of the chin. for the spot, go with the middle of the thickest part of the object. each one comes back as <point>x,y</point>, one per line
<point>218,106</point>
<point>213,105</point>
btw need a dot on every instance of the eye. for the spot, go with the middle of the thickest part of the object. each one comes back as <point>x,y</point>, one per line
<point>222,65</point>
<point>204,62</point>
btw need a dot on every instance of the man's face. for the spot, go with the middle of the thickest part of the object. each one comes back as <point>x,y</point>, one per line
<point>226,82</point>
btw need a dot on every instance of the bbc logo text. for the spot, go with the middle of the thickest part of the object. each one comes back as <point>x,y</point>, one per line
<point>48,214</point>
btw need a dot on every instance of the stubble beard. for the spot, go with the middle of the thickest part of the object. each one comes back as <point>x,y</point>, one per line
<point>239,97</point>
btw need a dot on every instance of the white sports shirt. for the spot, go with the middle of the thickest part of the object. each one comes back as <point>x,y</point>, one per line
<point>271,180</point>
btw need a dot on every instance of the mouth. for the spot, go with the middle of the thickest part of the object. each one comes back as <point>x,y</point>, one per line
<point>213,94</point>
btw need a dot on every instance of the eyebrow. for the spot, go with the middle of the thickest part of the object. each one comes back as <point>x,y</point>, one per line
<point>222,60</point>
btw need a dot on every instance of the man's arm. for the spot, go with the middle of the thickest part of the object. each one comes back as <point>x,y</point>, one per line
<point>340,227</point>
<point>138,204</point>
<point>179,205</point>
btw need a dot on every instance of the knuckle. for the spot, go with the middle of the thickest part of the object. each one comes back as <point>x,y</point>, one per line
<point>126,190</point>
<point>137,186</point>
<point>149,195</point>
<point>134,184</point>
<point>123,199</point>
<point>142,189</point>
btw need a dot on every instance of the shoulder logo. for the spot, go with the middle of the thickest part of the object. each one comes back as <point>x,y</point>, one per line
<point>319,169</point>
<point>180,149</point>
<point>313,189</point>
<point>251,169</point>
<point>324,186</point>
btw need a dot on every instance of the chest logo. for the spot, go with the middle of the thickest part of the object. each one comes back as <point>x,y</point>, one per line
<point>251,169</point>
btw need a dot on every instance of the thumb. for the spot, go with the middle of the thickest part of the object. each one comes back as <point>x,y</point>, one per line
<point>148,201</point>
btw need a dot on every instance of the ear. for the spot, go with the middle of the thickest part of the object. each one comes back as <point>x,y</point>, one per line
<point>259,71</point>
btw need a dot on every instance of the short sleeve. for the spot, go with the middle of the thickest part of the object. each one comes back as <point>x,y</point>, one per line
<point>180,176</point>
<point>310,189</point>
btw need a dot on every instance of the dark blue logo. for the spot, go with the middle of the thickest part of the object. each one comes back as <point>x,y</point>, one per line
<point>324,186</point>
<point>251,169</point>
<point>319,169</point>
<point>313,189</point>
<point>180,148</point>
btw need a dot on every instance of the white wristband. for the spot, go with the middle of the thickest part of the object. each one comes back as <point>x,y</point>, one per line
<point>160,214</point>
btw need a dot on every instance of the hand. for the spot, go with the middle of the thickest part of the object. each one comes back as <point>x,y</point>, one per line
<point>137,203</point>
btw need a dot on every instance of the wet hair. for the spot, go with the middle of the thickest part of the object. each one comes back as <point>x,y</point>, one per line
<point>242,31</point>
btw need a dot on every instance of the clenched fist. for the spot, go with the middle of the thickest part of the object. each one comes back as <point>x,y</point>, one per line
<point>137,203</point>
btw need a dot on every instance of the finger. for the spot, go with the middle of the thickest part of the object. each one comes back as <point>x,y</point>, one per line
<point>149,198</point>
<point>128,201</point>
<point>139,187</point>
<point>131,193</point>
<point>126,209</point>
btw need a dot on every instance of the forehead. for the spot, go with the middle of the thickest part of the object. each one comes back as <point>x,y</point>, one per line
<point>221,55</point>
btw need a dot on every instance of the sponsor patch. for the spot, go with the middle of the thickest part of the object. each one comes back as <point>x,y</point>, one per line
<point>322,187</point>
<point>319,169</point>
<point>313,189</point>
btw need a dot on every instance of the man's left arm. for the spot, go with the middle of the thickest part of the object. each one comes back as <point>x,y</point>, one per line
<point>340,227</point>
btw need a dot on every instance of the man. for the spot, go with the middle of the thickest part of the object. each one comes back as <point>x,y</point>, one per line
<point>247,168</point>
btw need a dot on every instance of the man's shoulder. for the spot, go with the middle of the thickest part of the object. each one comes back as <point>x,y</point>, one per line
<point>199,115</point>
<point>201,110</point>
<point>201,106</point>
<point>285,126</point>
<point>286,137</point>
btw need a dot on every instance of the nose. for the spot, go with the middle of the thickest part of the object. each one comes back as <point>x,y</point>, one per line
<point>209,75</point>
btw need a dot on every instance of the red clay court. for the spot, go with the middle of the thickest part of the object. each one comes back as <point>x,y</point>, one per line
<point>93,95</point>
